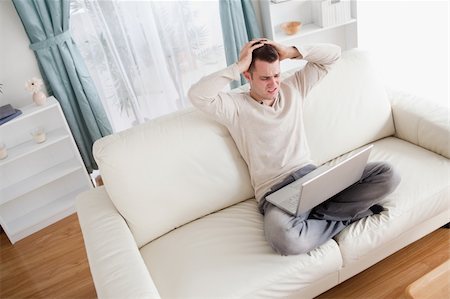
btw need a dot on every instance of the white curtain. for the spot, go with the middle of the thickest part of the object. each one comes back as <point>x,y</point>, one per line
<point>144,55</point>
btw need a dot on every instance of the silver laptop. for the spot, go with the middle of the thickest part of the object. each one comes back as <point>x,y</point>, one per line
<point>321,184</point>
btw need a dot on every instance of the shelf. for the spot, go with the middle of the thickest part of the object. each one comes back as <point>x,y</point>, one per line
<point>39,180</point>
<point>307,29</point>
<point>30,146</point>
<point>42,217</point>
<point>313,15</point>
<point>30,110</point>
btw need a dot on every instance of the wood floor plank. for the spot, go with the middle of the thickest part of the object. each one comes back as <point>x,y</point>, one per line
<point>390,277</point>
<point>52,263</point>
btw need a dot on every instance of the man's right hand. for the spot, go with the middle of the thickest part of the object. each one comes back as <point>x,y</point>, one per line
<point>245,57</point>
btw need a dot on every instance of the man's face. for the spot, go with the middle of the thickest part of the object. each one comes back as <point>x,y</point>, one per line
<point>264,80</point>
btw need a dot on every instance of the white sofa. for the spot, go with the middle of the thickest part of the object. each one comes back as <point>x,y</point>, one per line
<point>177,217</point>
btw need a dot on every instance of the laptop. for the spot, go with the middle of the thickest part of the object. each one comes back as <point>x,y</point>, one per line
<point>322,183</point>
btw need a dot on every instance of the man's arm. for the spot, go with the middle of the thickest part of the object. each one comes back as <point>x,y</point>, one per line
<point>285,52</point>
<point>320,59</point>
<point>207,93</point>
<point>321,56</point>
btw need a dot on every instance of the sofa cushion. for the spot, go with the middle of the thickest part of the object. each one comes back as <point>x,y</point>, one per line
<point>347,109</point>
<point>423,193</point>
<point>115,262</point>
<point>225,255</point>
<point>170,171</point>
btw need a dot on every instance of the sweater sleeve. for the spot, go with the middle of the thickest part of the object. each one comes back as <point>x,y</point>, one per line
<point>207,95</point>
<point>319,60</point>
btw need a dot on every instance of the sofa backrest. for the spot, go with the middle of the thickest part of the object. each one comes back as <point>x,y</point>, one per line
<point>170,171</point>
<point>347,109</point>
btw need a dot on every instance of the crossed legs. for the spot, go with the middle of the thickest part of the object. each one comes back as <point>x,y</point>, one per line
<point>289,235</point>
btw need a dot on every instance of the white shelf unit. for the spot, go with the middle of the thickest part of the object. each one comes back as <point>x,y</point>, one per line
<point>39,182</point>
<point>273,15</point>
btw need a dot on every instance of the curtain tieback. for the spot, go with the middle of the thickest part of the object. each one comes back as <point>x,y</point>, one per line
<point>51,41</point>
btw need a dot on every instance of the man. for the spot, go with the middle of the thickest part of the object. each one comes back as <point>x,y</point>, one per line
<point>267,127</point>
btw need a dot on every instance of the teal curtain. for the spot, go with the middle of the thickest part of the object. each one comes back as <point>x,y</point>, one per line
<point>239,26</point>
<point>62,68</point>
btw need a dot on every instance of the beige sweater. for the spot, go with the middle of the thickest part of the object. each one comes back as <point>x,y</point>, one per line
<point>271,139</point>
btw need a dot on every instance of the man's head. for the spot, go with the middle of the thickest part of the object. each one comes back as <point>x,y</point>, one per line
<point>265,53</point>
<point>264,73</point>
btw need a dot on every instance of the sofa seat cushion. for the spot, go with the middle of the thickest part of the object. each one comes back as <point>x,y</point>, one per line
<point>423,193</point>
<point>225,255</point>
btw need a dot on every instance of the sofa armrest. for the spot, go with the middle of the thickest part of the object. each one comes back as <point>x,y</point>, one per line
<point>421,122</point>
<point>116,264</point>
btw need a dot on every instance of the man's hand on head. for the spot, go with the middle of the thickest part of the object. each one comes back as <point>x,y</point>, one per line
<point>284,52</point>
<point>245,57</point>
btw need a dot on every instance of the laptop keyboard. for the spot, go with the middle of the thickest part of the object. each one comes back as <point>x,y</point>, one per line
<point>291,203</point>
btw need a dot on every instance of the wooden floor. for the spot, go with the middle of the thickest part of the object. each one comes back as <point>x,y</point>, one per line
<point>52,264</point>
<point>390,277</point>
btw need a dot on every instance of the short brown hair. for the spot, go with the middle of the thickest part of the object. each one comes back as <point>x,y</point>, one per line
<point>265,53</point>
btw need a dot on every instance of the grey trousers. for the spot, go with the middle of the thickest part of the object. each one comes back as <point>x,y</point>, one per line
<point>289,235</point>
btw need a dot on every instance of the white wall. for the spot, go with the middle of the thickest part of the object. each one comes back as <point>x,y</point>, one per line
<point>409,42</point>
<point>17,61</point>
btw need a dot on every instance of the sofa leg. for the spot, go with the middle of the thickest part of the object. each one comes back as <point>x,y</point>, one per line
<point>98,181</point>
<point>447,225</point>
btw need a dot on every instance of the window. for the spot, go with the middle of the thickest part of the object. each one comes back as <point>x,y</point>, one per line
<point>144,55</point>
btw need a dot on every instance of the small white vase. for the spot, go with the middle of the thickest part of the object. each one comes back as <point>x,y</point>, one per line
<point>38,134</point>
<point>39,98</point>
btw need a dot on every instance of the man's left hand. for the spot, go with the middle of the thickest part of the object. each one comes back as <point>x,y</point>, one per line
<point>284,52</point>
